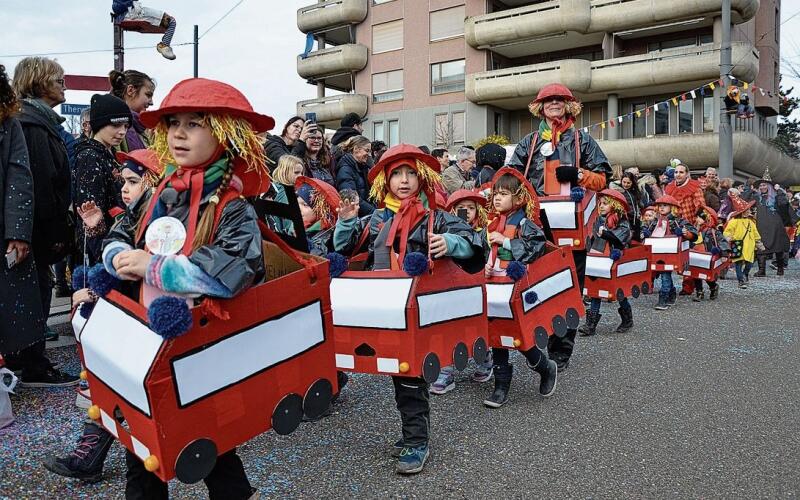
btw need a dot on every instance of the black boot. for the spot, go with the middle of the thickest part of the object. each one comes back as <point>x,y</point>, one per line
<point>86,462</point>
<point>699,295</point>
<point>663,298</point>
<point>589,328</point>
<point>546,368</point>
<point>559,349</point>
<point>780,266</point>
<point>713,287</point>
<point>502,383</point>
<point>762,266</point>
<point>626,313</point>
<point>672,297</point>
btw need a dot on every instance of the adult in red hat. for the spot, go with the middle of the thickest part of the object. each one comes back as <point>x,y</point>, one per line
<point>556,157</point>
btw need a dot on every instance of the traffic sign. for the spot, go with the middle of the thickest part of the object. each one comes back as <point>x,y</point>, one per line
<point>73,109</point>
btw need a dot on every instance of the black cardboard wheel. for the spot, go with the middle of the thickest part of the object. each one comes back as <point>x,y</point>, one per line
<point>559,326</point>
<point>573,318</point>
<point>317,399</point>
<point>430,368</point>
<point>460,356</point>
<point>645,288</point>
<point>196,461</point>
<point>541,337</point>
<point>480,350</point>
<point>620,294</point>
<point>635,292</point>
<point>287,414</point>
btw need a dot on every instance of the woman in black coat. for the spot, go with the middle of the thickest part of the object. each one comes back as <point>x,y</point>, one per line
<point>352,170</point>
<point>292,141</point>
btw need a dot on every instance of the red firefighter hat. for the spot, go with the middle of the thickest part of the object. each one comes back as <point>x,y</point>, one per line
<point>613,193</point>
<point>144,157</point>
<point>529,193</point>
<point>426,166</point>
<point>554,90</point>
<point>711,214</point>
<point>668,200</point>
<point>207,96</point>
<point>465,194</point>
<point>325,200</point>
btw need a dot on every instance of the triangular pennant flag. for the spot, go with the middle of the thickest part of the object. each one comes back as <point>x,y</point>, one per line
<point>702,91</point>
<point>620,118</point>
<point>674,101</point>
<point>712,85</point>
<point>647,111</point>
<point>585,130</point>
<point>694,96</point>
<point>721,82</point>
<point>745,85</point>
<point>603,125</point>
<point>761,90</point>
<point>611,122</point>
<point>638,113</point>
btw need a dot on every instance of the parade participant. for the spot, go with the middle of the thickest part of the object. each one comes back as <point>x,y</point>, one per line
<point>141,170</point>
<point>318,202</point>
<point>136,89</point>
<point>130,10</point>
<point>772,217</point>
<point>611,231</point>
<point>668,223</point>
<point>689,195</point>
<point>403,184</point>
<point>514,236</point>
<point>710,238</point>
<point>471,207</point>
<point>648,215</point>
<point>742,233</point>
<point>206,132</point>
<point>556,157</point>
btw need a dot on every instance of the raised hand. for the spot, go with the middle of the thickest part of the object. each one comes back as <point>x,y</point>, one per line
<point>91,214</point>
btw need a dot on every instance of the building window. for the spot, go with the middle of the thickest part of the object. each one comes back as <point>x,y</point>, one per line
<point>498,123</point>
<point>449,129</point>
<point>705,39</point>
<point>685,116</point>
<point>459,127</point>
<point>377,131</point>
<point>387,36</point>
<point>708,114</point>
<point>387,86</point>
<point>662,119</point>
<point>447,23</point>
<point>447,77</point>
<point>441,130</point>
<point>639,128</point>
<point>394,132</point>
<point>691,41</point>
<point>378,2</point>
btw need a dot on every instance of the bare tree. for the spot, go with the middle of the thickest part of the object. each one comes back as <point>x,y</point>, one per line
<point>443,131</point>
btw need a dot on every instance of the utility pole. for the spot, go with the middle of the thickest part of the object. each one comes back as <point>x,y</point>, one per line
<point>725,68</point>
<point>197,51</point>
<point>119,48</point>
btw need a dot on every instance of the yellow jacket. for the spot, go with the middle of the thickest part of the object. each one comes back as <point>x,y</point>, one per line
<point>745,230</point>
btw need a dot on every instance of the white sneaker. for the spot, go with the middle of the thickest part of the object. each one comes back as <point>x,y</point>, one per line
<point>166,51</point>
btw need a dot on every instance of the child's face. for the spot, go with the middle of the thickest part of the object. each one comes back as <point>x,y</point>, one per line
<point>470,207</point>
<point>133,187</point>
<point>403,182</point>
<point>698,221</point>
<point>503,200</point>
<point>190,141</point>
<point>664,209</point>
<point>297,171</point>
<point>111,135</point>
<point>309,217</point>
<point>648,216</point>
<point>605,206</point>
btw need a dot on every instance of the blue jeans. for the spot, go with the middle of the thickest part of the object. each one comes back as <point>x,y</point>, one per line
<point>743,270</point>
<point>666,281</point>
<point>595,305</point>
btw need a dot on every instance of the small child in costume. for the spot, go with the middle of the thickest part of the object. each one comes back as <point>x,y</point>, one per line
<point>514,235</point>
<point>710,240</point>
<point>668,223</point>
<point>403,184</point>
<point>611,232</point>
<point>649,214</point>
<point>742,233</point>
<point>204,234</point>
<point>318,202</point>
<point>472,206</point>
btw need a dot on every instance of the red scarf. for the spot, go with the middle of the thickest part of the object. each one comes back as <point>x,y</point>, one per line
<point>411,211</point>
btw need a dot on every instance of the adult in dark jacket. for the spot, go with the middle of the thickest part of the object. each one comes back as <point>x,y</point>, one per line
<point>352,170</point>
<point>97,173</point>
<point>25,289</point>
<point>772,217</point>
<point>351,126</point>
<point>291,141</point>
<point>490,158</point>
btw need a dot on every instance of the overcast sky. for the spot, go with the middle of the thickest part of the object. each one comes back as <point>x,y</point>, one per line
<point>254,48</point>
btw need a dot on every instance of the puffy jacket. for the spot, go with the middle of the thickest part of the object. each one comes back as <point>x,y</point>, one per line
<point>275,147</point>
<point>619,237</point>
<point>353,175</point>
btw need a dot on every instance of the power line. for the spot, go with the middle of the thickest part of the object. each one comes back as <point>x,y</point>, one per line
<point>93,51</point>
<point>221,18</point>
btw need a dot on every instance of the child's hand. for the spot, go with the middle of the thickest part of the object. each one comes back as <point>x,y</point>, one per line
<point>81,296</point>
<point>437,245</point>
<point>487,271</point>
<point>496,238</point>
<point>601,230</point>
<point>347,209</point>
<point>131,264</point>
<point>91,214</point>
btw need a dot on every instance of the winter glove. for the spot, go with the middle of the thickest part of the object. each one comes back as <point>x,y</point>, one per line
<point>567,175</point>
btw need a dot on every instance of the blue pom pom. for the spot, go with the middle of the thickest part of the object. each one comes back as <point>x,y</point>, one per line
<point>169,317</point>
<point>616,254</point>
<point>516,270</point>
<point>415,263</point>
<point>677,231</point>
<point>100,281</point>
<point>79,278</point>
<point>86,309</point>
<point>716,251</point>
<point>530,297</point>
<point>576,194</point>
<point>646,233</point>
<point>337,264</point>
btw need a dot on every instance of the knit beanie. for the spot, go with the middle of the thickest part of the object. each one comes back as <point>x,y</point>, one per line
<point>304,192</point>
<point>491,154</point>
<point>107,109</point>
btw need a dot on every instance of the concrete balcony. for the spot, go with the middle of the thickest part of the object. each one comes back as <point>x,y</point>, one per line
<point>750,154</point>
<point>334,66</point>
<point>564,24</point>
<point>331,109</point>
<point>332,19</point>
<point>673,70</point>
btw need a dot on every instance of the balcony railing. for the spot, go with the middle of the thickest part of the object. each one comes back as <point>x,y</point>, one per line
<point>331,109</point>
<point>323,16</point>
<point>343,59</point>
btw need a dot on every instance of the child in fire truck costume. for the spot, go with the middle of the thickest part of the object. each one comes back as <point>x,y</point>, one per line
<point>203,235</point>
<point>611,234</point>
<point>556,158</point>
<point>710,239</point>
<point>408,224</point>
<point>318,203</point>
<point>668,223</point>
<point>514,235</point>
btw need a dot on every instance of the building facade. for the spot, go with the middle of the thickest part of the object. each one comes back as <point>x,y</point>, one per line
<point>444,73</point>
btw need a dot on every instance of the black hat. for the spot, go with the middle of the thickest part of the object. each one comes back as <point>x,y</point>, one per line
<point>352,119</point>
<point>107,109</point>
<point>491,154</point>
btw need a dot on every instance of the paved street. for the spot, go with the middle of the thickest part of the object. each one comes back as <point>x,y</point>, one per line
<point>698,401</point>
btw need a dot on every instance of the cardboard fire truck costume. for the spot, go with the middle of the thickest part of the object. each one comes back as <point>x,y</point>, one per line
<point>227,369</point>
<point>707,260</point>
<point>545,301</point>
<point>669,251</point>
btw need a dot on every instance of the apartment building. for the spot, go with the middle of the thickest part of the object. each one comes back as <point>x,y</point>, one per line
<point>450,72</point>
